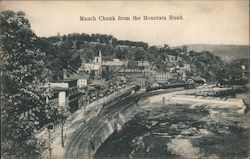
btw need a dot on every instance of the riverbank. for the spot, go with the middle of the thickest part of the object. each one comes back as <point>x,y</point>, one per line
<point>180,125</point>
<point>222,103</point>
<point>91,130</point>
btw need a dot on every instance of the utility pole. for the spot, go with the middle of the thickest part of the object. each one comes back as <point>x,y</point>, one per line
<point>48,93</point>
<point>50,148</point>
<point>62,133</point>
<point>62,137</point>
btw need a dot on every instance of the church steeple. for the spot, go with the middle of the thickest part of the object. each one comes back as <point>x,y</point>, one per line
<point>98,58</point>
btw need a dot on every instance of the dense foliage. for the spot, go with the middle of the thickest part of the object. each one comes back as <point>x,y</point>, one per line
<point>99,38</point>
<point>22,67</point>
<point>23,108</point>
<point>204,64</point>
<point>59,57</point>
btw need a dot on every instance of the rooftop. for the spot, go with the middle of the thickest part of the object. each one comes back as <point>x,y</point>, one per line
<point>130,70</point>
<point>80,75</point>
<point>143,63</point>
<point>63,81</point>
<point>100,82</point>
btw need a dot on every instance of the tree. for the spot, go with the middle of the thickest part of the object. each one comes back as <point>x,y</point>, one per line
<point>161,65</point>
<point>140,55</point>
<point>92,74</point>
<point>153,53</point>
<point>107,73</point>
<point>22,73</point>
<point>207,65</point>
<point>121,53</point>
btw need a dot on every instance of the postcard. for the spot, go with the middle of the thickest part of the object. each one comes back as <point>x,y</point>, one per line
<point>124,79</point>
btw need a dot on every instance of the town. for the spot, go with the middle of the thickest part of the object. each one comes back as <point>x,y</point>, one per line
<point>71,95</point>
<point>99,77</point>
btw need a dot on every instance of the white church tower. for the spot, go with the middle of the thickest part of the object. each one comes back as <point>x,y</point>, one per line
<point>98,58</point>
<point>98,64</point>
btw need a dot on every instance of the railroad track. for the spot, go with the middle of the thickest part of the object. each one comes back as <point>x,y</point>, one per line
<point>78,146</point>
<point>81,138</point>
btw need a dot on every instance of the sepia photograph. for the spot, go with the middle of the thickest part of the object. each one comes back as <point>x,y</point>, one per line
<point>124,79</point>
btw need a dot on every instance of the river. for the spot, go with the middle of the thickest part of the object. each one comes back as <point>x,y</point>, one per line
<point>163,131</point>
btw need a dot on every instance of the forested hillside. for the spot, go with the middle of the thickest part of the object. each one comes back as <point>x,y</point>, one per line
<point>69,51</point>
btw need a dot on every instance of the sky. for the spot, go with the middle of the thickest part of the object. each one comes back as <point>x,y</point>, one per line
<point>204,22</point>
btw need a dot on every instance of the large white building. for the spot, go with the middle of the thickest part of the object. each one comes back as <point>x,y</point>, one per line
<point>98,64</point>
<point>162,77</point>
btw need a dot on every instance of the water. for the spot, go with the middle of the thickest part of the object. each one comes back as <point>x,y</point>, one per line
<point>180,131</point>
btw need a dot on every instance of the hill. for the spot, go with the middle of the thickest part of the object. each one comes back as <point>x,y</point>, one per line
<point>226,52</point>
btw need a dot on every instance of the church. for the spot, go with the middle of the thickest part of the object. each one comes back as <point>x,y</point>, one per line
<point>95,66</point>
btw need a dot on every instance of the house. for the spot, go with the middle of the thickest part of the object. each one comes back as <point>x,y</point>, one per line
<point>144,65</point>
<point>173,59</point>
<point>81,77</point>
<point>245,72</point>
<point>170,58</point>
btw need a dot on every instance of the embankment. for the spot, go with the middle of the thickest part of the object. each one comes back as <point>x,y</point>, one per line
<point>109,125</point>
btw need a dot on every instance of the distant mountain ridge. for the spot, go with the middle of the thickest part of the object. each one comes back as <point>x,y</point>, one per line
<point>226,52</point>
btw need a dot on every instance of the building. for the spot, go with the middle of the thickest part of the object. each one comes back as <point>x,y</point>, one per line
<point>145,65</point>
<point>95,66</point>
<point>162,77</point>
<point>245,72</point>
<point>98,58</point>
<point>110,68</point>
<point>91,67</point>
<point>173,59</point>
<point>96,88</point>
<point>170,58</point>
<point>185,67</point>
<point>81,77</point>
<point>68,94</point>
<point>63,93</point>
<point>132,72</point>
<point>121,46</point>
<point>137,76</point>
<point>114,62</point>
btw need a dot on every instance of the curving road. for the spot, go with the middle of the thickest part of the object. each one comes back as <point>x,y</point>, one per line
<point>79,147</point>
